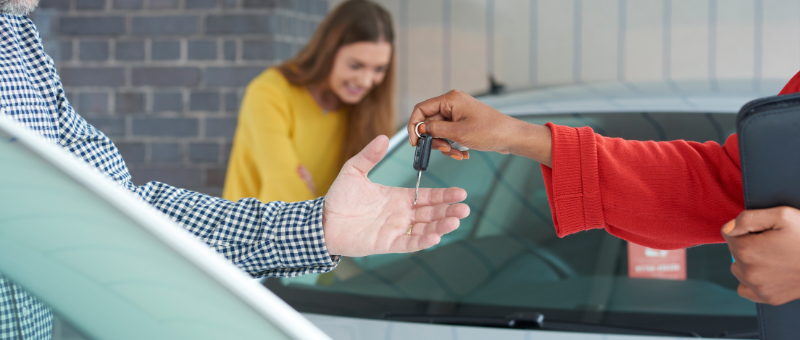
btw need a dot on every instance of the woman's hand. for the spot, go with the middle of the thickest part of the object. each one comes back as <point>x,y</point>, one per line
<point>305,175</point>
<point>459,117</point>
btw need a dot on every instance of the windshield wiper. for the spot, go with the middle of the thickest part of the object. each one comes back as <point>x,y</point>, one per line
<point>529,321</point>
<point>738,335</point>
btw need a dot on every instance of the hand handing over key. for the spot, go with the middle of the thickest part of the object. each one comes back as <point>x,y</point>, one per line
<point>363,218</point>
<point>461,118</point>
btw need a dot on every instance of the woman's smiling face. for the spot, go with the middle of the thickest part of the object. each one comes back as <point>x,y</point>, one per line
<point>357,68</point>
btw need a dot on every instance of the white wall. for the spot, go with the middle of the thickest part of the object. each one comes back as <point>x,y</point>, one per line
<point>444,44</point>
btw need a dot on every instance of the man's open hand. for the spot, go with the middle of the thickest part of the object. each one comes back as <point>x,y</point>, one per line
<point>363,218</point>
<point>766,246</point>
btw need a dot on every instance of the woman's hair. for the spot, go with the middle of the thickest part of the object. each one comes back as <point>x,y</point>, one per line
<point>352,21</point>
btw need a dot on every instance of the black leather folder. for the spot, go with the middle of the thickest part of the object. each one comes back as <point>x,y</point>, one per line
<point>769,147</point>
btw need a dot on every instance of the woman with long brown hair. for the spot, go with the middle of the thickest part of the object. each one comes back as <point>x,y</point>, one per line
<point>301,120</point>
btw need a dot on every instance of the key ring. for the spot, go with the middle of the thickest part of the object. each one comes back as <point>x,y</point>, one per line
<point>416,129</point>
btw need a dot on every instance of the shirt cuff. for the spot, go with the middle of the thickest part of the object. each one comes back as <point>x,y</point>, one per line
<point>299,240</point>
<point>573,183</point>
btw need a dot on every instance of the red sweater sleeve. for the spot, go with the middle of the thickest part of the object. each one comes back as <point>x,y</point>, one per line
<point>664,195</point>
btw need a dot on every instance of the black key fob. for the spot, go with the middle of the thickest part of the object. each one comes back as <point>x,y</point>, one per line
<point>423,153</point>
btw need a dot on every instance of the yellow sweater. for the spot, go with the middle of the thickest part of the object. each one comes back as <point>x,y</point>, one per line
<point>280,128</point>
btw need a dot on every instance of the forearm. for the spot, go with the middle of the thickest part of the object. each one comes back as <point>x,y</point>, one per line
<point>531,141</point>
<point>263,239</point>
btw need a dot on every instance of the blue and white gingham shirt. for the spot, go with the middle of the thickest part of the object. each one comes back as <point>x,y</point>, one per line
<point>263,239</point>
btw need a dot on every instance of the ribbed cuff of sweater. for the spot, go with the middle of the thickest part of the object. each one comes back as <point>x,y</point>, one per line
<point>573,183</point>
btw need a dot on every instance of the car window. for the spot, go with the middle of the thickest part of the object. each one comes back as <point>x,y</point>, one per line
<point>506,258</point>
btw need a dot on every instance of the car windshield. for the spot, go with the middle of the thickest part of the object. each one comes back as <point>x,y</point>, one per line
<point>505,257</point>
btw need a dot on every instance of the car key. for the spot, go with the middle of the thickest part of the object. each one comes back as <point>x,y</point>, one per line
<point>422,156</point>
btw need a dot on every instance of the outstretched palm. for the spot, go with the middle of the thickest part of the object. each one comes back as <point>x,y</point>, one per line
<point>363,218</point>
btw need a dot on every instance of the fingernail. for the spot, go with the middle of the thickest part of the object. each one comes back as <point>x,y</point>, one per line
<point>466,155</point>
<point>728,228</point>
<point>422,128</point>
<point>458,158</point>
<point>444,149</point>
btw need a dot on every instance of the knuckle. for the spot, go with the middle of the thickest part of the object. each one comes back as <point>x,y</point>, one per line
<point>786,213</point>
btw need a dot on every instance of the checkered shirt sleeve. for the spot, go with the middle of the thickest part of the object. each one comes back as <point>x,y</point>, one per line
<point>263,239</point>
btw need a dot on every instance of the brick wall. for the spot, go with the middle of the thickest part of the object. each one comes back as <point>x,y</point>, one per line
<point>164,78</point>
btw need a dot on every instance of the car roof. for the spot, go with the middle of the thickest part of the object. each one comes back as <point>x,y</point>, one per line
<point>112,265</point>
<point>701,96</point>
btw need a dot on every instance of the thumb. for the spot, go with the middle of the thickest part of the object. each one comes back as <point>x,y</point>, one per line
<point>441,129</point>
<point>365,160</point>
<point>752,221</point>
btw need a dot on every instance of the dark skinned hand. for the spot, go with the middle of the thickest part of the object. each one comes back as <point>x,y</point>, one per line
<point>766,246</point>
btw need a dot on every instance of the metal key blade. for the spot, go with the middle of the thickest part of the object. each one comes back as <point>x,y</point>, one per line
<point>416,191</point>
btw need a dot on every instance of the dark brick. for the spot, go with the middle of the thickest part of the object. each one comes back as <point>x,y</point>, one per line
<point>169,101</point>
<point>93,102</point>
<point>303,6</point>
<point>215,177</point>
<point>202,50</point>
<point>130,50</point>
<point>71,96</point>
<point>45,23</point>
<point>204,101</point>
<point>267,3</point>
<point>201,4</point>
<point>220,127</point>
<point>179,177</point>
<point>165,152</point>
<point>229,3</point>
<point>238,23</point>
<point>113,25</point>
<point>310,28</point>
<point>265,50</point>
<point>129,102</point>
<point>93,50</point>
<point>165,127</point>
<point>231,102</point>
<point>90,4</point>
<point>165,25</point>
<point>204,152</point>
<point>163,4</point>
<point>166,76</point>
<point>131,152</point>
<point>165,50</point>
<point>282,24</point>
<point>320,7</point>
<point>231,76</point>
<point>54,4</point>
<point>59,50</point>
<point>92,76</point>
<point>226,152</point>
<point>230,50</point>
<point>127,4</point>
<point>111,126</point>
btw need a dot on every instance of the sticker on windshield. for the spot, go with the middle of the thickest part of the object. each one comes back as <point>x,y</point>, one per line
<point>649,263</point>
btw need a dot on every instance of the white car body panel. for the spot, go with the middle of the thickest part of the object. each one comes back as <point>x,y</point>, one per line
<point>114,266</point>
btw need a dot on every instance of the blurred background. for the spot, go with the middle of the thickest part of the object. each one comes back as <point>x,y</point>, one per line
<point>164,78</point>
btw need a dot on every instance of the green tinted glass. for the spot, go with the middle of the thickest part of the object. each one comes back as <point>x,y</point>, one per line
<point>506,253</point>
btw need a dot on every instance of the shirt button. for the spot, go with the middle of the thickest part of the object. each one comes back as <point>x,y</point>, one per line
<point>25,311</point>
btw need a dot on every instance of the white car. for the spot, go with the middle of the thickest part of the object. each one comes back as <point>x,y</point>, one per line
<point>112,267</point>
<point>504,274</point>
